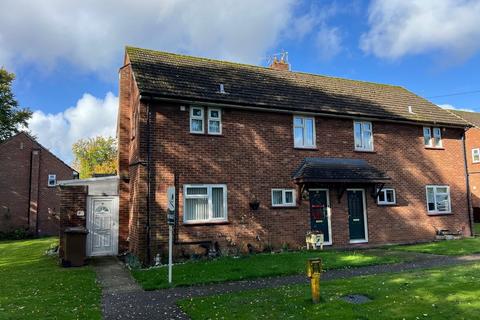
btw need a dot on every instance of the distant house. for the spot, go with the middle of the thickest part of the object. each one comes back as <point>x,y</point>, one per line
<point>472,154</point>
<point>28,179</point>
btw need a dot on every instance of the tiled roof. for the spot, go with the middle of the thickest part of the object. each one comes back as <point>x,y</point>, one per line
<point>338,170</point>
<point>178,76</point>
<point>471,117</point>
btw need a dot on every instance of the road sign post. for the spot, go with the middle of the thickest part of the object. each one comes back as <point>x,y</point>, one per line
<point>171,223</point>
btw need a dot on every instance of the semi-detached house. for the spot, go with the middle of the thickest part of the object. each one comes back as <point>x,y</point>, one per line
<point>261,156</point>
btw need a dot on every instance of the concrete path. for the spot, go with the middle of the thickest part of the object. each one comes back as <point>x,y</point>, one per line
<point>132,302</point>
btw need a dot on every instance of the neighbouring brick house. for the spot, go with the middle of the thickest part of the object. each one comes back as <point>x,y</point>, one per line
<point>472,154</point>
<point>261,156</point>
<point>28,176</point>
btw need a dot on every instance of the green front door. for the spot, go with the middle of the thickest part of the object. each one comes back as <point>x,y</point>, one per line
<point>319,213</point>
<point>356,215</point>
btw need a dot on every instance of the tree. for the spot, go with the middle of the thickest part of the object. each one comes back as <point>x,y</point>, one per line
<point>12,118</point>
<point>95,155</point>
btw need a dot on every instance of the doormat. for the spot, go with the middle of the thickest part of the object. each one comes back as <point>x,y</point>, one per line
<point>356,299</point>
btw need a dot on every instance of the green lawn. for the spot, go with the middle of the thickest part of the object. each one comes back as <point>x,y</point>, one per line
<point>476,229</point>
<point>255,266</point>
<point>33,286</point>
<point>447,247</point>
<point>445,293</point>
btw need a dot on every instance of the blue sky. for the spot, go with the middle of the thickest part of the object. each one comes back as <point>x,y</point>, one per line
<point>66,54</point>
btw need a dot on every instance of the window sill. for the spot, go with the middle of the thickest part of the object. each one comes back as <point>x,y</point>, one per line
<point>306,148</point>
<point>440,213</point>
<point>365,151</point>
<point>434,148</point>
<point>283,207</point>
<point>387,204</point>
<point>205,223</point>
<point>206,134</point>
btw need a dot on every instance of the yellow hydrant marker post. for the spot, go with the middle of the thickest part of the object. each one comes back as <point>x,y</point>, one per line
<point>314,270</point>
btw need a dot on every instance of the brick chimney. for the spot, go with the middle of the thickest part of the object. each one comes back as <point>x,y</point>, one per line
<point>280,64</point>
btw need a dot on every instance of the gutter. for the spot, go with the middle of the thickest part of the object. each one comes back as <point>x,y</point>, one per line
<point>467,178</point>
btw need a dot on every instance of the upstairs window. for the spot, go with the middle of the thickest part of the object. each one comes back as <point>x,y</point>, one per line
<point>205,203</point>
<point>363,135</point>
<point>304,132</point>
<point>196,120</point>
<point>386,196</point>
<point>438,199</point>
<point>214,121</point>
<point>476,155</point>
<point>432,137</point>
<point>283,197</point>
<point>52,180</point>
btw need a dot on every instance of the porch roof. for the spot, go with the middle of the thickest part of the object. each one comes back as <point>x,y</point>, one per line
<point>338,170</point>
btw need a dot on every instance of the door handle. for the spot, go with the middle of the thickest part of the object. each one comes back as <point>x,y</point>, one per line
<point>356,220</point>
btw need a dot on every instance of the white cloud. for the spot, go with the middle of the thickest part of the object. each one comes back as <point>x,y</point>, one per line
<point>452,107</point>
<point>90,117</point>
<point>399,28</point>
<point>91,34</point>
<point>329,42</point>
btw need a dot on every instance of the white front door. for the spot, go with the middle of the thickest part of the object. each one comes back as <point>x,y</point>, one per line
<point>102,224</point>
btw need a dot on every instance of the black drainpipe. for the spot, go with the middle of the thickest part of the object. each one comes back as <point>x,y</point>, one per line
<point>149,156</point>
<point>467,176</point>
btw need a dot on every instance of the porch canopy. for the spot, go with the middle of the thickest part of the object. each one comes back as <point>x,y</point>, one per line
<point>339,172</point>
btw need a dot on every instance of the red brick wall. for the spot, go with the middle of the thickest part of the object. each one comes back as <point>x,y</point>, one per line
<point>255,154</point>
<point>473,141</point>
<point>72,200</point>
<point>20,182</point>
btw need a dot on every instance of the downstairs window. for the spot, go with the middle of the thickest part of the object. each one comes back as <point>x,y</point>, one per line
<point>205,203</point>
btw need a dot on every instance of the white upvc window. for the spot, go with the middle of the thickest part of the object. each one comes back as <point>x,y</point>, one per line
<point>476,155</point>
<point>432,137</point>
<point>304,132</point>
<point>283,197</point>
<point>438,199</point>
<point>196,120</point>
<point>204,203</point>
<point>386,196</point>
<point>363,135</point>
<point>214,121</point>
<point>52,180</point>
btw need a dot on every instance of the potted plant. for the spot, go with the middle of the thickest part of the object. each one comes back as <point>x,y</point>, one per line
<point>254,204</point>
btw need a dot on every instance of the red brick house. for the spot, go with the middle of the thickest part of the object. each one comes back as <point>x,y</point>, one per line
<point>28,178</point>
<point>472,154</point>
<point>261,156</point>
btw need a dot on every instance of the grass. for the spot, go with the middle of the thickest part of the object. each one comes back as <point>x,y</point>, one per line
<point>447,247</point>
<point>255,266</point>
<point>33,286</point>
<point>476,229</point>
<point>445,293</point>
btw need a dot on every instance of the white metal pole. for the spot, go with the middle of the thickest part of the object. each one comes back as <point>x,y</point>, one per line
<point>170,249</point>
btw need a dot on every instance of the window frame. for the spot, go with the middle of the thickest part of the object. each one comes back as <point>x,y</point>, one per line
<point>386,202</point>
<point>436,212</point>
<point>54,179</point>
<point>209,199</point>
<point>193,117</point>
<point>284,203</point>
<point>219,119</point>
<point>363,147</point>
<point>473,155</point>
<point>432,136</point>
<point>304,130</point>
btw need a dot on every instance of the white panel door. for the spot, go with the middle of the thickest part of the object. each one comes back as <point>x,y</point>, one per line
<point>102,224</point>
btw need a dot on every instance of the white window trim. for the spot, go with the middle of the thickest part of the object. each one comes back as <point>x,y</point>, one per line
<point>202,118</point>
<point>210,205</point>
<point>385,202</point>
<point>303,146</point>
<point>431,137</point>
<point>219,119</point>
<point>477,150</point>
<point>284,204</point>
<point>54,178</point>
<point>436,212</point>
<point>362,148</point>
